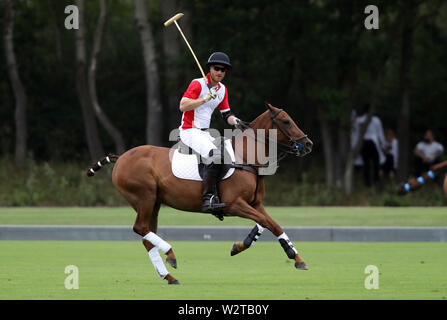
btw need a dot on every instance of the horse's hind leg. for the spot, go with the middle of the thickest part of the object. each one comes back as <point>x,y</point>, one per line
<point>146,226</point>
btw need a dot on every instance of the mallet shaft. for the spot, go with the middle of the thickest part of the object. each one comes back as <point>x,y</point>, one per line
<point>174,20</point>
<point>190,49</point>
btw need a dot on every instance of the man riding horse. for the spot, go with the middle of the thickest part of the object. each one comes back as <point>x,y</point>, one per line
<point>199,101</point>
<point>144,174</point>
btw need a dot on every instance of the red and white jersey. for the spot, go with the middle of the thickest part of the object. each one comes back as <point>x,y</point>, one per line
<point>200,117</point>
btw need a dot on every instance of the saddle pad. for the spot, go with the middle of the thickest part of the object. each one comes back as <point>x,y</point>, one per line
<point>185,166</point>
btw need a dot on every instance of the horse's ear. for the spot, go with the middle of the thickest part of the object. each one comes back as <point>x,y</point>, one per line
<point>269,106</point>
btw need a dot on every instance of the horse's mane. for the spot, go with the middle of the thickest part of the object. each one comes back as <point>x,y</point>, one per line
<point>256,119</point>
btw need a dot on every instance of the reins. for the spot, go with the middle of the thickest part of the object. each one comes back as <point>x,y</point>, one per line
<point>285,148</point>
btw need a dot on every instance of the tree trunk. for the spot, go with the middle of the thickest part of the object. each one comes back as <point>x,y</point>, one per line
<point>172,53</point>
<point>403,122</point>
<point>328,149</point>
<point>17,87</point>
<point>113,132</point>
<point>154,121</point>
<point>91,130</point>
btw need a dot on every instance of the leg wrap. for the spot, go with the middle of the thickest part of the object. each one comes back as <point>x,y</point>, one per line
<point>287,245</point>
<point>253,236</point>
<point>157,261</point>
<point>158,242</point>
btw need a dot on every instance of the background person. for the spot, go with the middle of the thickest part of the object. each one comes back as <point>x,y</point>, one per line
<point>391,151</point>
<point>427,152</point>
<point>373,143</point>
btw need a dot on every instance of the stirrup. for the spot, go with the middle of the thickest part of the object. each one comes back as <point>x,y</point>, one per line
<point>212,205</point>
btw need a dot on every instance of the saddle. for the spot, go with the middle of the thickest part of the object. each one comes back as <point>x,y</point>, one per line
<point>187,164</point>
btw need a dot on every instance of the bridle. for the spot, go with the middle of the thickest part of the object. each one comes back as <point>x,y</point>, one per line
<point>294,146</point>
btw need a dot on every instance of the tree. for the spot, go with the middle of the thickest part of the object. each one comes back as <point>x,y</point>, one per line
<point>113,132</point>
<point>154,120</point>
<point>172,54</point>
<point>17,87</point>
<point>403,122</point>
<point>91,130</point>
<point>411,17</point>
<point>358,56</point>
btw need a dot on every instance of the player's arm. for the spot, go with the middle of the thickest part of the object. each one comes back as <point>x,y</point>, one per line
<point>190,104</point>
<point>225,110</point>
<point>191,100</point>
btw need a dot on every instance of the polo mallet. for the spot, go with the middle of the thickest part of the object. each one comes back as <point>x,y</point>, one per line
<point>174,20</point>
<point>416,183</point>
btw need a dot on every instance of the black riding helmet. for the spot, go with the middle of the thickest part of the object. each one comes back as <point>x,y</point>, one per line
<point>219,58</point>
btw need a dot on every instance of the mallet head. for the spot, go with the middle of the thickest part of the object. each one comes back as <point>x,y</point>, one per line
<point>174,18</point>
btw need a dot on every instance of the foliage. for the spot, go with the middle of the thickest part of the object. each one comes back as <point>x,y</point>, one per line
<point>291,53</point>
<point>309,189</point>
<point>55,184</point>
<point>66,184</point>
<point>313,58</point>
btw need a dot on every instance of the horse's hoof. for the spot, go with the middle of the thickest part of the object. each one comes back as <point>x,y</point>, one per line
<point>301,265</point>
<point>172,262</point>
<point>174,282</point>
<point>234,250</point>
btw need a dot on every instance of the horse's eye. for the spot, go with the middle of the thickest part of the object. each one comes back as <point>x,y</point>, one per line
<point>286,122</point>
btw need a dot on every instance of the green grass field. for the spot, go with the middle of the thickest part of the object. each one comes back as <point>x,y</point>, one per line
<point>122,270</point>
<point>285,216</point>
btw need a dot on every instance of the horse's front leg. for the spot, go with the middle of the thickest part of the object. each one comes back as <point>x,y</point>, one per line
<point>284,240</point>
<point>249,241</point>
<point>265,221</point>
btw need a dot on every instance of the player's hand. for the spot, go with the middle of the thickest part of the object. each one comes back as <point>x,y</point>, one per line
<point>238,124</point>
<point>212,94</point>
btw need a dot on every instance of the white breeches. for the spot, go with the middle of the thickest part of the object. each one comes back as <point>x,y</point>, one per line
<point>198,140</point>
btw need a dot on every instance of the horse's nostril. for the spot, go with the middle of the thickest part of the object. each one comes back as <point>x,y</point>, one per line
<point>309,144</point>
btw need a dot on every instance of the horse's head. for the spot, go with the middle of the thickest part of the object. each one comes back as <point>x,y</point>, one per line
<point>290,138</point>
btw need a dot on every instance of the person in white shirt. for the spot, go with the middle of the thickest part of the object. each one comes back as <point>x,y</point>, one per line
<point>373,144</point>
<point>427,152</point>
<point>198,103</point>
<point>391,151</point>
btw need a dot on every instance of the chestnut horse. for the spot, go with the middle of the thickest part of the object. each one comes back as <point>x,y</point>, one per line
<point>143,176</point>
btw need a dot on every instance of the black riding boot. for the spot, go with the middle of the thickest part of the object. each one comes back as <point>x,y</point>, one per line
<point>210,197</point>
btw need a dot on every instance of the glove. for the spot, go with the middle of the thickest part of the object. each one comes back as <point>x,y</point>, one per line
<point>212,94</point>
<point>238,124</point>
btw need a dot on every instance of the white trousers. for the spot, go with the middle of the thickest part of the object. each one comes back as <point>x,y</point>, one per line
<point>198,140</point>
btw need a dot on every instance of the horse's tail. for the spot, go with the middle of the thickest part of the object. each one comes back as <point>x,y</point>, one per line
<point>416,183</point>
<point>98,165</point>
